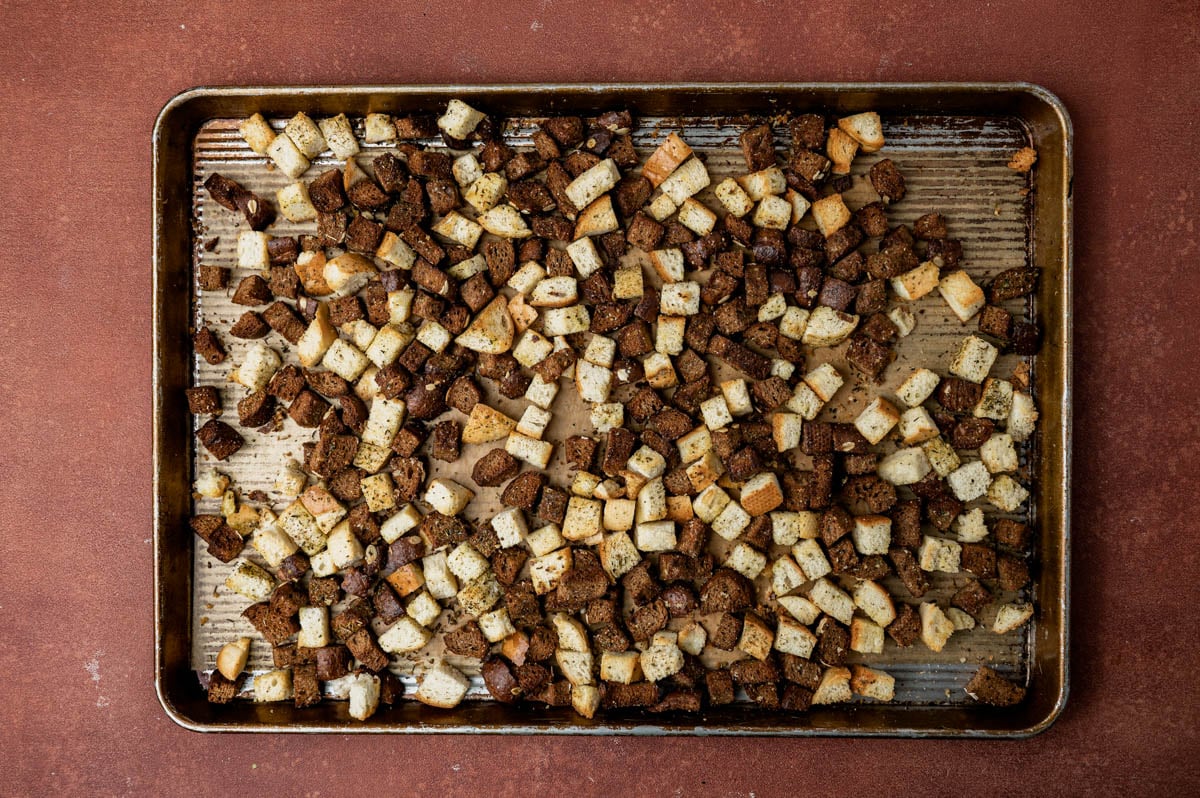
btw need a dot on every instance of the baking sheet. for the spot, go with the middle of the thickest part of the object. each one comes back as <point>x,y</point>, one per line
<point>953,164</point>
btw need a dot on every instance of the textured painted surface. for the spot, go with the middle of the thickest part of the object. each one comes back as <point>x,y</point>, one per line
<point>79,714</point>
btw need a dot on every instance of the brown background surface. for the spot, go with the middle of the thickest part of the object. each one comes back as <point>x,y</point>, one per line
<point>79,89</point>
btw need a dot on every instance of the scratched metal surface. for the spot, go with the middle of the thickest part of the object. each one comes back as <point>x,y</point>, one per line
<point>953,165</point>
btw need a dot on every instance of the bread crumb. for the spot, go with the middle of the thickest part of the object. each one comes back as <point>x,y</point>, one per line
<point>1023,159</point>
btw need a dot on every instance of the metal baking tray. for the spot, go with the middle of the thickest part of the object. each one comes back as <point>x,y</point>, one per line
<point>952,141</point>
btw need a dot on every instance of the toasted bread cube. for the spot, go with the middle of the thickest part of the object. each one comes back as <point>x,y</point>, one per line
<point>941,455</point>
<point>936,628</point>
<point>666,159</point>
<point>828,327</point>
<point>459,120</point>
<point>272,686</point>
<point>841,148</point>
<point>541,393</point>
<point>597,219</point>
<point>325,509</point>
<point>735,199</point>
<point>212,484</point>
<point>534,422</point>
<point>345,360</point>
<point>647,463</point>
<point>1022,417</point>
<point>592,382</point>
<point>545,540</point>
<point>733,401</point>
<point>998,454</point>
<point>384,421</point>
<point>529,450</point>
<point>305,134</point>
<point>694,444</point>
<point>731,522</point>
<point>576,666</point>
<point>659,662</point>
<point>709,503</point>
<point>532,348</point>
<point>504,221</point>
<point>583,518</point>
<point>692,638</point>
<point>447,496</point>
<point>763,183</point>
<point>805,402</point>
<point>258,368</point>
<point>873,599</point>
<point>969,481</point>
<point>1007,494</point>
<point>485,424</point>
<point>619,514</point>
<point>555,292</point>
<point>299,525</point>
<point>773,213</point>
<point>996,401</point>
<point>622,667</point>
<point>310,268</point>
<point>586,257</point>
<point>872,534</point>
<point>294,204</point>
<point>696,217</point>
<point>757,638</point>
<point>794,323</point>
<point>287,157</point>
<point>360,332</point>
<point>974,359</point>
<point>668,263</point>
<point>961,293</point>
<point>627,281</point>
<point>601,351</point>
<point>314,627</point>
<point>585,700</point>
<point>607,416</point>
<point>825,381</point>
<point>1011,616</point>
<point>831,214</point>
<point>669,335</point>
<point>916,426</point>
<point>343,546</point>
<point>496,625</point>
<point>786,576</point>
<point>257,133</point>
<point>424,609</point>
<point>961,620</point>
<point>249,581</point>
<point>584,484</point>
<point>231,660</point>
<point>407,579</point>
<point>918,387</point>
<point>442,686</point>
<point>396,526</point>
<point>916,283</point>
<point>566,321</point>
<point>687,180</point>
<point>904,319</point>
<point>715,412</point>
<point>466,170</point>
<point>480,595</point>
<point>789,527</point>
<point>659,371</point>
<point>786,430</point>
<point>782,369</point>
<point>273,545</point>
<point>660,207</point>
<point>321,564</point>
<point>680,299</point>
<point>774,308</point>
<point>705,471</point>
<point>378,128</point>
<point>865,128</point>
<point>364,695</point>
<point>761,493</point>
<point>651,501</point>
<point>339,136</point>
<point>745,559</point>
<point>459,229</point>
<point>571,634</point>
<point>510,527</point>
<point>904,466</point>
<point>970,526</point>
<point>485,193</point>
<point>608,490</point>
<point>799,203</point>
<point>877,419</point>
<point>866,637</point>
<point>586,188</point>
<point>800,608</point>
<point>794,638</point>
<point>466,563</point>
<point>834,687</point>
<point>936,554</point>
<point>656,535</point>
<point>399,302</point>
<point>831,599</point>
<point>871,683</point>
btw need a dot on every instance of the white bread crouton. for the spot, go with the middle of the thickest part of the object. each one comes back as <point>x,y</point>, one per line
<point>485,193</point>
<point>442,686</point>
<point>486,424</point>
<point>970,526</point>
<point>828,327</point>
<point>800,608</point>
<point>249,581</point>
<point>680,299</point>
<point>466,563</point>
<point>583,518</point>
<point>831,599</point>
<point>273,685</point>
<point>733,197</point>
<point>339,136</point>
<point>345,360</point>
<point>459,229</point>
<point>544,540</point>
<point>746,560</point>
<point>794,323</point>
<point>364,695</point>
<point>696,217</point>
<point>773,213</point>
<point>659,371</point>
<point>871,683</point>
<point>597,180</point>
<point>872,534</point>
<point>257,132</point>
<point>647,463</point>
<point>258,367</point>
<point>622,667</point>
<point>998,454</point>
<point>961,293</point>
<point>996,401</point>
<point>231,660</point>
<point>466,169</point>
<point>666,159</point>
<point>627,281</point>
<point>841,148</point>
<point>660,661</point>
<point>786,430</point>
<point>459,121</point>
<point>917,387</point>
<point>786,576</point>
<point>970,481</point>
<point>799,203</point>
<point>480,595</point>
<point>669,335</point>
<point>763,183</point>
<point>530,450</point>
<point>789,527</point>
<point>936,554</point>
<point>705,471</point>
<point>866,637</point>
<point>792,637</point>
<point>904,319</point>
<point>757,638</point>
<point>961,620</point>
<point>877,419</point>
<point>404,636</point>
<point>618,555</point>
<point>916,426</point>
<point>447,496</point>
<point>709,503</point>
<point>737,397</point>
<point>299,525</point>
<point>668,264</point>
<point>344,546</point>
<point>731,521</point>
<point>576,666</point>
<point>918,282</point>
<point>424,609</point>
<point>386,345</point>
<point>831,214</point>
<point>656,535</point>
<point>294,203</point>
<point>660,207</point>
<point>273,545</point>
<point>491,331</point>
<point>761,493</point>
<point>805,402</point>
<point>565,321</point>
<point>287,157</point>
<point>585,256</point>
<point>941,455</point>
<point>873,599</point>
<point>834,687</point>
<point>865,128</point>
<point>504,221</point>
<point>694,444</point>
<point>692,638</point>
<point>685,181</point>
<point>1011,616</point>
<point>378,128</point>
<point>775,306</point>
<point>974,359</point>
<point>1022,417</point>
<point>395,527</point>
<point>825,381</point>
<point>1007,494</point>
<point>936,628</point>
<point>585,699</point>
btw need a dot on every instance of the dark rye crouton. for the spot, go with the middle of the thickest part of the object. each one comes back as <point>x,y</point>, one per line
<point>212,278</point>
<point>220,689</point>
<point>553,505</point>
<point>726,591</point>
<point>906,628</point>
<point>204,400</point>
<point>971,598</point>
<point>623,696</point>
<point>252,290</point>
<point>447,440</point>
<point>979,559</point>
<point>869,494</point>
<point>468,641</point>
<point>364,648</point>
<point>1013,571</point>
<point>220,439</point>
<point>910,573</point>
<point>719,685</point>
<point>958,395</point>
<point>283,320</point>
<point>256,409</point>
<point>1011,533</point>
<point>523,491</point>
<point>439,530</point>
<point>758,147</point>
<point>887,180</point>
<point>507,564</point>
<point>307,409</point>
<point>906,523</point>
<point>989,687</point>
<point>725,635</point>
<point>494,468</point>
<point>208,346</point>
<point>1013,283</point>
<point>275,626</point>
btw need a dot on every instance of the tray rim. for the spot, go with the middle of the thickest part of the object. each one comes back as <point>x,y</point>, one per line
<point>1037,93</point>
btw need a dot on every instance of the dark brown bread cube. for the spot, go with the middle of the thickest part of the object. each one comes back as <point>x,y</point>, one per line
<point>532,678</point>
<point>833,642</point>
<point>930,226</point>
<point>514,384</point>
<point>578,587</point>
<point>643,405</point>
<point>468,641</point>
<point>743,464</point>
<point>425,400</point>
<point>363,525</point>
<point>686,700</point>
<point>307,409</point>
<point>494,469</point>
<point>388,606</point>
<point>868,495</point>
<point>906,523</point>
<point>860,464</point>
<point>639,586</point>
<point>557,180</point>
<point>507,564</point>
<point>727,632</point>
<point>891,262</point>
<point>220,439</point>
<point>331,228</point>
<point>323,591</point>
<point>609,637</point>
<point>484,539</point>
<point>362,644</point>
<point>601,611</point>
<point>995,321</point>
<point>971,432</point>
<point>834,524</point>
<point>545,145</point>
<point>433,164</point>
<point>1026,338</point>
<point>356,582</point>
<point>693,537</point>
<point>631,193</point>
<point>842,556</point>
<point>674,567</point>
<point>719,685</point>
<point>946,254</point>
<point>223,190</point>
<point>363,235</point>
<point>906,628</point>
<point>531,197</point>
<point>208,346</point>
<point>1014,572</point>
<point>523,490</point>
<point>911,575</point>
<point>476,292</point>
<point>808,130</point>
<point>408,439</point>
<point>220,689</point>
<point>494,155</point>
<point>880,329</point>
<point>958,395</point>
<point>543,640</point>
<point>979,559</point>
<point>842,242</point>
<point>443,196</point>
<point>408,474</point>
<point>679,600</point>
<point>523,165</point>
<point>284,281</point>
<point>623,152</point>
<point>810,165</point>
<point>343,310</point>
<point>204,400</point>
<point>989,687</point>
<point>1011,533</point>
<point>325,192</point>
<point>552,367</point>
<point>771,393</point>
<point>800,671</point>
<point>942,510</point>
<point>971,598</point>
<point>623,696</point>
<point>726,591</point>
<point>425,246</point>
<point>644,233</point>
<point>887,180</point>
<point>1016,282</point>
<point>212,278</point>
<point>327,383</point>
<point>555,694</point>
<point>610,316</point>
<point>252,290</point>
<point>224,543</point>
<point>769,247</point>
<point>431,278</point>
<point>580,452</point>
<point>274,626</point>
<point>442,530</point>
<point>758,147</point>
<point>500,680</point>
<point>618,448</point>
<point>306,690</point>
<point>447,440</point>
<point>256,409</point>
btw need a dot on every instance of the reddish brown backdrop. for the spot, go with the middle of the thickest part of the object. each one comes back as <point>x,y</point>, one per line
<point>78,96</point>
